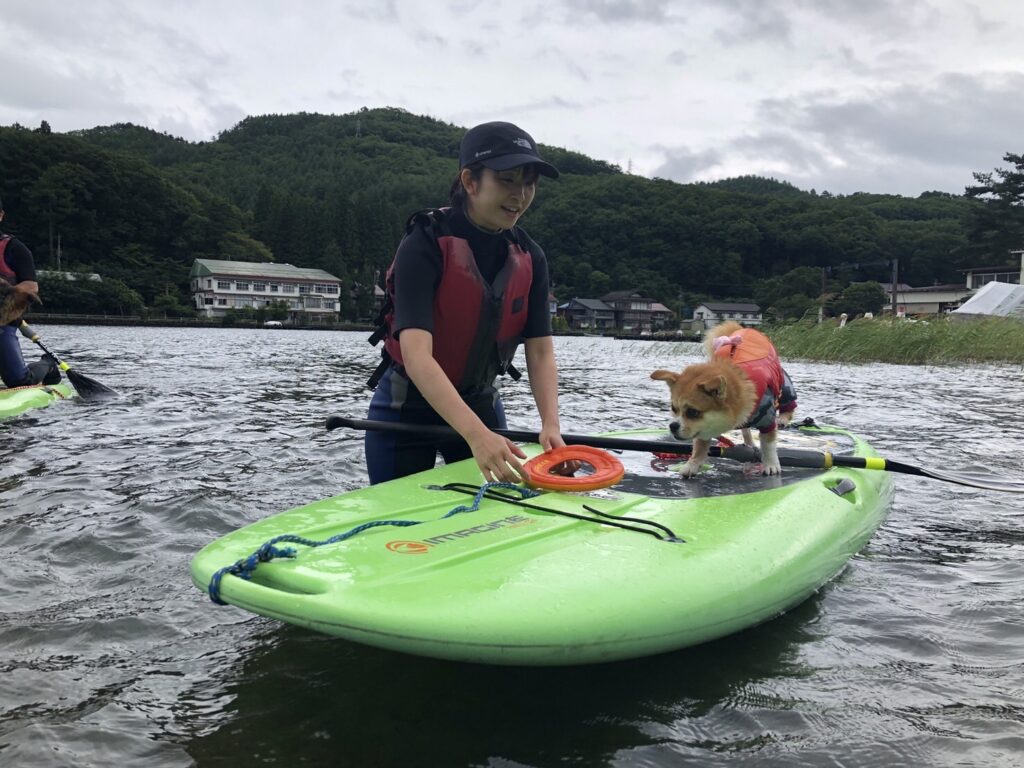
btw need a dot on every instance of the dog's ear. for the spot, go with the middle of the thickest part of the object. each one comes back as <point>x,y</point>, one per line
<point>666,376</point>
<point>714,387</point>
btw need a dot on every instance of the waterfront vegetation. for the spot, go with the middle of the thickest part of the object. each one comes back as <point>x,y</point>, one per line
<point>946,339</point>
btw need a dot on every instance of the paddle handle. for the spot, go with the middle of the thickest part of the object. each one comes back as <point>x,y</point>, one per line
<point>29,333</point>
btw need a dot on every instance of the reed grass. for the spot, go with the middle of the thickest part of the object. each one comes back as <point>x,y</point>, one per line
<point>908,341</point>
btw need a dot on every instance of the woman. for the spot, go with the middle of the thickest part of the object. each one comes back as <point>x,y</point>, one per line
<point>19,287</point>
<point>465,287</point>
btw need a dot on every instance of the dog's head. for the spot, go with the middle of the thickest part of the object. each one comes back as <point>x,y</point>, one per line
<point>707,399</point>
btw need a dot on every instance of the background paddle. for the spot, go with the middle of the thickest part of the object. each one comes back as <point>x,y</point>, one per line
<point>787,457</point>
<point>88,389</point>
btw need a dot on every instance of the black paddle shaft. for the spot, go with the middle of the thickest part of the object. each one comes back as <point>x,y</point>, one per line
<point>743,453</point>
<point>739,452</point>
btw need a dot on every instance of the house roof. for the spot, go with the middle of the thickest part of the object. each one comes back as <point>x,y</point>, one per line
<point>205,267</point>
<point>595,304</point>
<point>620,295</point>
<point>656,307</point>
<point>1004,268</point>
<point>947,288</point>
<point>725,306</point>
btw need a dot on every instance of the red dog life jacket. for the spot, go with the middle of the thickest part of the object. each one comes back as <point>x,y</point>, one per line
<point>755,354</point>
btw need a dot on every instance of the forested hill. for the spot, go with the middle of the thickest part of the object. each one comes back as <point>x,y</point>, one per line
<point>334,191</point>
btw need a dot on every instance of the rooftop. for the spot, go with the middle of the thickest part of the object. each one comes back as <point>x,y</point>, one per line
<point>204,267</point>
<point>947,288</point>
<point>622,295</point>
<point>595,304</point>
<point>724,306</point>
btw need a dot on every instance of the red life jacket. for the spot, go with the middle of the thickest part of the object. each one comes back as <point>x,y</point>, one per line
<point>477,327</point>
<point>5,271</point>
<point>754,353</point>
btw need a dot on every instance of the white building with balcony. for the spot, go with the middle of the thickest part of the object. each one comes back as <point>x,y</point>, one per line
<point>218,286</point>
<point>711,313</point>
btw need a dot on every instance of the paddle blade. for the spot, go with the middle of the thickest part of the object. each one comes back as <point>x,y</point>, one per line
<point>977,480</point>
<point>88,389</point>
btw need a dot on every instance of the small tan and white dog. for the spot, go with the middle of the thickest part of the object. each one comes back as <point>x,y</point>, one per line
<point>742,386</point>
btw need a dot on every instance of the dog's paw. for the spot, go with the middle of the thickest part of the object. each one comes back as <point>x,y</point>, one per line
<point>771,468</point>
<point>689,469</point>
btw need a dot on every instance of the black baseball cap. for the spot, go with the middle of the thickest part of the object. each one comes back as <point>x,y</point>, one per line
<point>501,146</point>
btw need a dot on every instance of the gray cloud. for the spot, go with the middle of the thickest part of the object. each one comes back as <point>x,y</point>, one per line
<point>967,117</point>
<point>678,58</point>
<point>797,21</point>
<point>618,11</point>
<point>683,164</point>
<point>379,10</point>
<point>754,21</point>
<point>903,139</point>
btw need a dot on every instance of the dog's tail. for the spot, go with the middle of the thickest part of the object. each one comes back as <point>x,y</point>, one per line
<point>728,328</point>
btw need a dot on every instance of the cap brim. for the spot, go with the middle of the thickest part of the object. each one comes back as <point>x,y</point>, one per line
<point>505,162</point>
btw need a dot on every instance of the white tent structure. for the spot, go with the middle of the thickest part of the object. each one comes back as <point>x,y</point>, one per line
<point>999,299</point>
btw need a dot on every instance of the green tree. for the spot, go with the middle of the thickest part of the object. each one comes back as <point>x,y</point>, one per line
<point>859,298</point>
<point>997,225</point>
<point>57,193</point>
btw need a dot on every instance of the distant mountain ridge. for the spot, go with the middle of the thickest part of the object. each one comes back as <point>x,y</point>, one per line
<point>334,192</point>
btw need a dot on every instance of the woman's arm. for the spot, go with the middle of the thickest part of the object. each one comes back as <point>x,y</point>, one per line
<point>543,371</point>
<point>495,455</point>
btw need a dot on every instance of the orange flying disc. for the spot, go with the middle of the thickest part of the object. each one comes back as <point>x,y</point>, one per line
<point>608,470</point>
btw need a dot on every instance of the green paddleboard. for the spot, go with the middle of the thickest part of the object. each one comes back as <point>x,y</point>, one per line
<point>511,585</point>
<point>20,399</point>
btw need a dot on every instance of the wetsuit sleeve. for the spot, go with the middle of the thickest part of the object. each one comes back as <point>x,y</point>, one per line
<point>417,275</point>
<point>538,318</point>
<point>19,259</point>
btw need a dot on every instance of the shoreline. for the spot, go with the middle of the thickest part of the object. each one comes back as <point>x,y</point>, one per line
<point>191,322</point>
<point>939,340</point>
<point>907,341</point>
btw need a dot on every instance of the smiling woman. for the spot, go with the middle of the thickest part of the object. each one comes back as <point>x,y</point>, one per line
<point>466,286</point>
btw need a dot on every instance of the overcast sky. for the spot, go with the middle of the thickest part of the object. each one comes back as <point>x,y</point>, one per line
<point>844,95</point>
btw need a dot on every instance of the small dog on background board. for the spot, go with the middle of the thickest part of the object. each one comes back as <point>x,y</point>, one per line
<point>13,302</point>
<point>742,386</point>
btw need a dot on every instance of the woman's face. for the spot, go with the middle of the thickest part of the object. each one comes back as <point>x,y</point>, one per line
<point>498,198</point>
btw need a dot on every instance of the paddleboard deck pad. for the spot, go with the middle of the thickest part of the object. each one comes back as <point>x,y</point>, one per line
<point>695,559</point>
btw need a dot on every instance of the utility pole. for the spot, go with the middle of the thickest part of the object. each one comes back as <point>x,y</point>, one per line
<point>895,282</point>
<point>821,304</point>
<point>58,251</point>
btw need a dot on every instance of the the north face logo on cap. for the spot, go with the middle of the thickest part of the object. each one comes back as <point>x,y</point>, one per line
<point>523,143</point>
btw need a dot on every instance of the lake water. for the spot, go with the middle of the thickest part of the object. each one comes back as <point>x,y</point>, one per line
<point>913,656</point>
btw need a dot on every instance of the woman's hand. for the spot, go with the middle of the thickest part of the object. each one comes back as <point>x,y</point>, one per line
<point>30,288</point>
<point>497,457</point>
<point>551,438</point>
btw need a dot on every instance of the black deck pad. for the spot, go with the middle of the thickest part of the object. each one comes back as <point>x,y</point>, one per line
<point>656,477</point>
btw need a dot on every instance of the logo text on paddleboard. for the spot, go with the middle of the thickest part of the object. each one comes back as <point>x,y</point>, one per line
<point>407,547</point>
